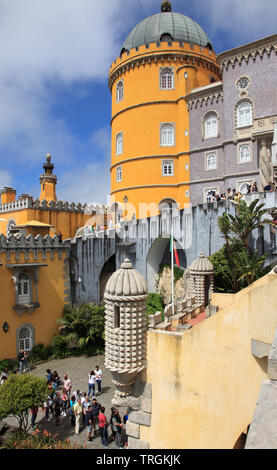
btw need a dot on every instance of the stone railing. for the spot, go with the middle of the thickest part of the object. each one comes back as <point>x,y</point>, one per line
<point>184,310</point>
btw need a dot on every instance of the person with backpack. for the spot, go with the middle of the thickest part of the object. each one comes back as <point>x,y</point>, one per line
<point>57,403</point>
<point>117,426</point>
<point>95,414</point>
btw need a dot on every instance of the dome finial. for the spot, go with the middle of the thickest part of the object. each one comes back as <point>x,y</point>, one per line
<point>166,7</point>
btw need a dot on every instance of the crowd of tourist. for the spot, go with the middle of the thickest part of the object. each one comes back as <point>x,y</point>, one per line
<point>235,196</point>
<point>83,408</point>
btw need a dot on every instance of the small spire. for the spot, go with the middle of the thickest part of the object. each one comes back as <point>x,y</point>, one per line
<point>166,7</point>
<point>48,157</point>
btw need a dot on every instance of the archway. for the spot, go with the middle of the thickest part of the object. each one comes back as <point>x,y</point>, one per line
<point>108,269</point>
<point>159,254</point>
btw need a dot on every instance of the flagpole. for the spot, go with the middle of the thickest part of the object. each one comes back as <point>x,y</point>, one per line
<point>172,263</point>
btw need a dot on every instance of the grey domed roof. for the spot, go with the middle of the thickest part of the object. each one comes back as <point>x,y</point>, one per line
<point>179,27</point>
<point>201,265</point>
<point>126,281</point>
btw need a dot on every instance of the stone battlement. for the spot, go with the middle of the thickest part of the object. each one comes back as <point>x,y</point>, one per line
<point>19,242</point>
<point>59,206</point>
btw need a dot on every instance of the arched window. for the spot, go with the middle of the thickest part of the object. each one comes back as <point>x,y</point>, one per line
<point>244,187</point>
<point>166,78</point>
<point>167,135</point>
<point>119,91</point>
<point>25,340</point>
<point>210,125</point>
<point>119,144</point>
<point>24,289</point>
<point>167,168</point>
<point>244,114</point>
<point>244,154</point>
<point>119,174</point>
<point>211,161</point>
<point>11,223</point>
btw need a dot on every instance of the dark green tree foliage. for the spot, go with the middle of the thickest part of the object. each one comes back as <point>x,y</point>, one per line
<point>83,325</point>
<point>18,394</point>
<point>154,303</point>
<point>236,265</point>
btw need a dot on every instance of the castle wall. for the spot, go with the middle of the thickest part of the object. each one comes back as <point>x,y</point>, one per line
<point>195,231</point>
<point>206,380</point>
<point>48,263</point>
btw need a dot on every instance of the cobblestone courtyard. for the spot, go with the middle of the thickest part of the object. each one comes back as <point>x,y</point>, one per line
<point>77,369</point>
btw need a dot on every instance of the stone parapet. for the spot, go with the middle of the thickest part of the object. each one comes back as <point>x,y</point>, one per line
<point>59,206</point>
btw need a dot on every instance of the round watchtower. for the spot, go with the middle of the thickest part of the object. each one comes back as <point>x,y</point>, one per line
<point>125,327</point>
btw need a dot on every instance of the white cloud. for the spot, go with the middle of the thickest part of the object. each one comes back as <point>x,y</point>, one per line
<point>90,184</point>
<point>5,178</point>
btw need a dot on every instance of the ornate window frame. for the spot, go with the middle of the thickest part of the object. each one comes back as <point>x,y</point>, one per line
<point>167,163</point>
<point>163,69</point>
<point>204,119</point>
<point>238,104</point>
<point>173,125</point>
<point>119,150</point>
<point>240,147</point>
<point>239,184</point>
<point>207,190</point>
<point>32,336</point>
<point>119,174</point>
<point>120,93</point>
<point>242,90</point>
<point>207,154</point>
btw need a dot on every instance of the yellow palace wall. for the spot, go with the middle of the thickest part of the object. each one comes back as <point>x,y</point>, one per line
<point>65,222</point>
<point>51,286</point>
<point>139,116</point>
<point>206,380</point>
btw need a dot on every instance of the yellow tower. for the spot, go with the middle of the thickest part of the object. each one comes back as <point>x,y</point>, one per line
<point>164,57</point>
<point>48,182</point>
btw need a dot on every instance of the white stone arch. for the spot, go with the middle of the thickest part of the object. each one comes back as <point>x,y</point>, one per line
<point>155,257</point>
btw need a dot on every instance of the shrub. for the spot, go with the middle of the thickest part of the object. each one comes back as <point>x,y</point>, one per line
<point>60,347</point>
<point>18,394</point>
<point>41,352</point>
<point>154,303</point>
<point>37,440</point>
<point>9,364</point>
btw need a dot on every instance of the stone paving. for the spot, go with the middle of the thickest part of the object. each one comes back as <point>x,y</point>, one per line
<point>77,369</point>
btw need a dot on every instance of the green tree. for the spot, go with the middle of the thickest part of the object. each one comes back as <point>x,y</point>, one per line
<point>84,325</point>
<point>236,265</point>
<point>18,394</point>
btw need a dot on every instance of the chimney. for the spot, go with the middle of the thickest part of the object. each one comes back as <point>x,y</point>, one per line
<point>7,195</point>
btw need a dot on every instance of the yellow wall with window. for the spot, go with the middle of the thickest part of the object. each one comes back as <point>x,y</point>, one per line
<point>53,280</point>
<point>139,115</point>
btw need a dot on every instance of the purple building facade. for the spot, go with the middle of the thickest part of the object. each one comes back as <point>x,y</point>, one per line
<point>232,123</point>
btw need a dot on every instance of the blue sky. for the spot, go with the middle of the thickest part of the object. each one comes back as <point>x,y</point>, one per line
<point>55,58</point>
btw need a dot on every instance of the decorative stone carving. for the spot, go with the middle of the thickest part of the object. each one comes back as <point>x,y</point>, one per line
<point>125,329</point>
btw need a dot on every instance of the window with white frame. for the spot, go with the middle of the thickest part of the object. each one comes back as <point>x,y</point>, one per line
<point>119,144</point>
<point>167,168</point>
<point>244,154</point>
<point>209,194</point>
<point>119,91</point>
<point>244,114</point>
<point>166,78</point>
<point>211,161</point>
<point>24,289</point>
<point>167,135</point>
<point>25,338</point>
<point>243,187</point>
<point>119,174</point>
<point>211,125</point>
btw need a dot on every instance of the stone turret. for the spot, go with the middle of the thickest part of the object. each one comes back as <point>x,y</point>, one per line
<point>48,182</point>
<point>125,329</point>
<point>202,279</point>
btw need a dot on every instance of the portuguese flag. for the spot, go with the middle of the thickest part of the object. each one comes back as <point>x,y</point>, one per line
<point>173,247</point>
